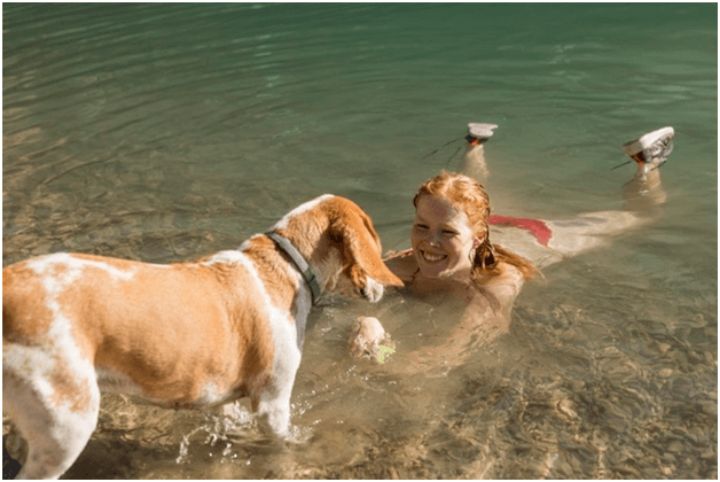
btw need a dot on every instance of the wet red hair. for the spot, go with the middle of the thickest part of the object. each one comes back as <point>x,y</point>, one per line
<point>468,195</point>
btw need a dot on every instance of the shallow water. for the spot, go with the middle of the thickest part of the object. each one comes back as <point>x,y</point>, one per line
<point>166,132</point>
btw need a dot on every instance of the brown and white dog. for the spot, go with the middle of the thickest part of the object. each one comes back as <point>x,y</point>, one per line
<point>189,334</point>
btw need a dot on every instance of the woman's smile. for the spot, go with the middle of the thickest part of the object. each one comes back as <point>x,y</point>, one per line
<point>432,258</point>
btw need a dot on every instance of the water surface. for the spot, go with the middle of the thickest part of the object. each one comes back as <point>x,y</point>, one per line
<point>165,132</point>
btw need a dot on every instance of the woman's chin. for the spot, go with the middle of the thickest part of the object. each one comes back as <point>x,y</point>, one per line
<point>438,270</point>
<point>442,272</point>
<point>433,272</point>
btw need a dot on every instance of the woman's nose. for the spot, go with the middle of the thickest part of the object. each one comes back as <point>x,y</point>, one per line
<point>433,239</point>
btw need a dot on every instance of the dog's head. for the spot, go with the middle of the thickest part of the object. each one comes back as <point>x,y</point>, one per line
<point>340,242</point>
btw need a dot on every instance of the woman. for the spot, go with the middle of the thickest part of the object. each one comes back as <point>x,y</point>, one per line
<point>454,256</point>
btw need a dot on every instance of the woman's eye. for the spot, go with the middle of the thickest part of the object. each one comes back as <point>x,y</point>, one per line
<point>449,233</point>
<point>421,227</point>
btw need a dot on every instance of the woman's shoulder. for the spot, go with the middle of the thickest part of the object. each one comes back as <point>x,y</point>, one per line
<point>402,264</point>
<point>504,284</point>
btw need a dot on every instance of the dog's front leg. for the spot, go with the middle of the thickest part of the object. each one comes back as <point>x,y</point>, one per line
<point>271,397</point>
<point>273,406</point>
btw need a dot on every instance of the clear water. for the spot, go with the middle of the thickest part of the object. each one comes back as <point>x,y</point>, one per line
<point>165,132</point>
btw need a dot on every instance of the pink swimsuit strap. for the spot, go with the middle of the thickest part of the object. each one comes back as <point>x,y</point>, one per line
<point>537,227</point>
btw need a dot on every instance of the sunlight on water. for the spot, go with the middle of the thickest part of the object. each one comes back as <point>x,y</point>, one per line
<point>167,132</point>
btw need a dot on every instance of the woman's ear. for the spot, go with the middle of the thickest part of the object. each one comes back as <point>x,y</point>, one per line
<point>476,242</point>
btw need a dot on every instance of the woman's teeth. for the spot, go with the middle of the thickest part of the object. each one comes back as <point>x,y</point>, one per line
<point>433,258</point>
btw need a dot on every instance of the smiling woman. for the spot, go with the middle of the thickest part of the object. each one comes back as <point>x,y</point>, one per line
<point>439,235</point>
<point>451,250</point>
<point>450,239</point>
<point>452,254</point>
<point>450,236</point>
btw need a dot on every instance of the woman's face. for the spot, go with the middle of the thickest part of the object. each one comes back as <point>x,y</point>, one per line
<point>441,238</point>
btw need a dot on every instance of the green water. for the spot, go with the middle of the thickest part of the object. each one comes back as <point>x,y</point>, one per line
<point>165,132</point>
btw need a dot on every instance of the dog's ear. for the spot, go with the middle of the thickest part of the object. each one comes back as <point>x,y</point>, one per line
<point>361,252</point>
